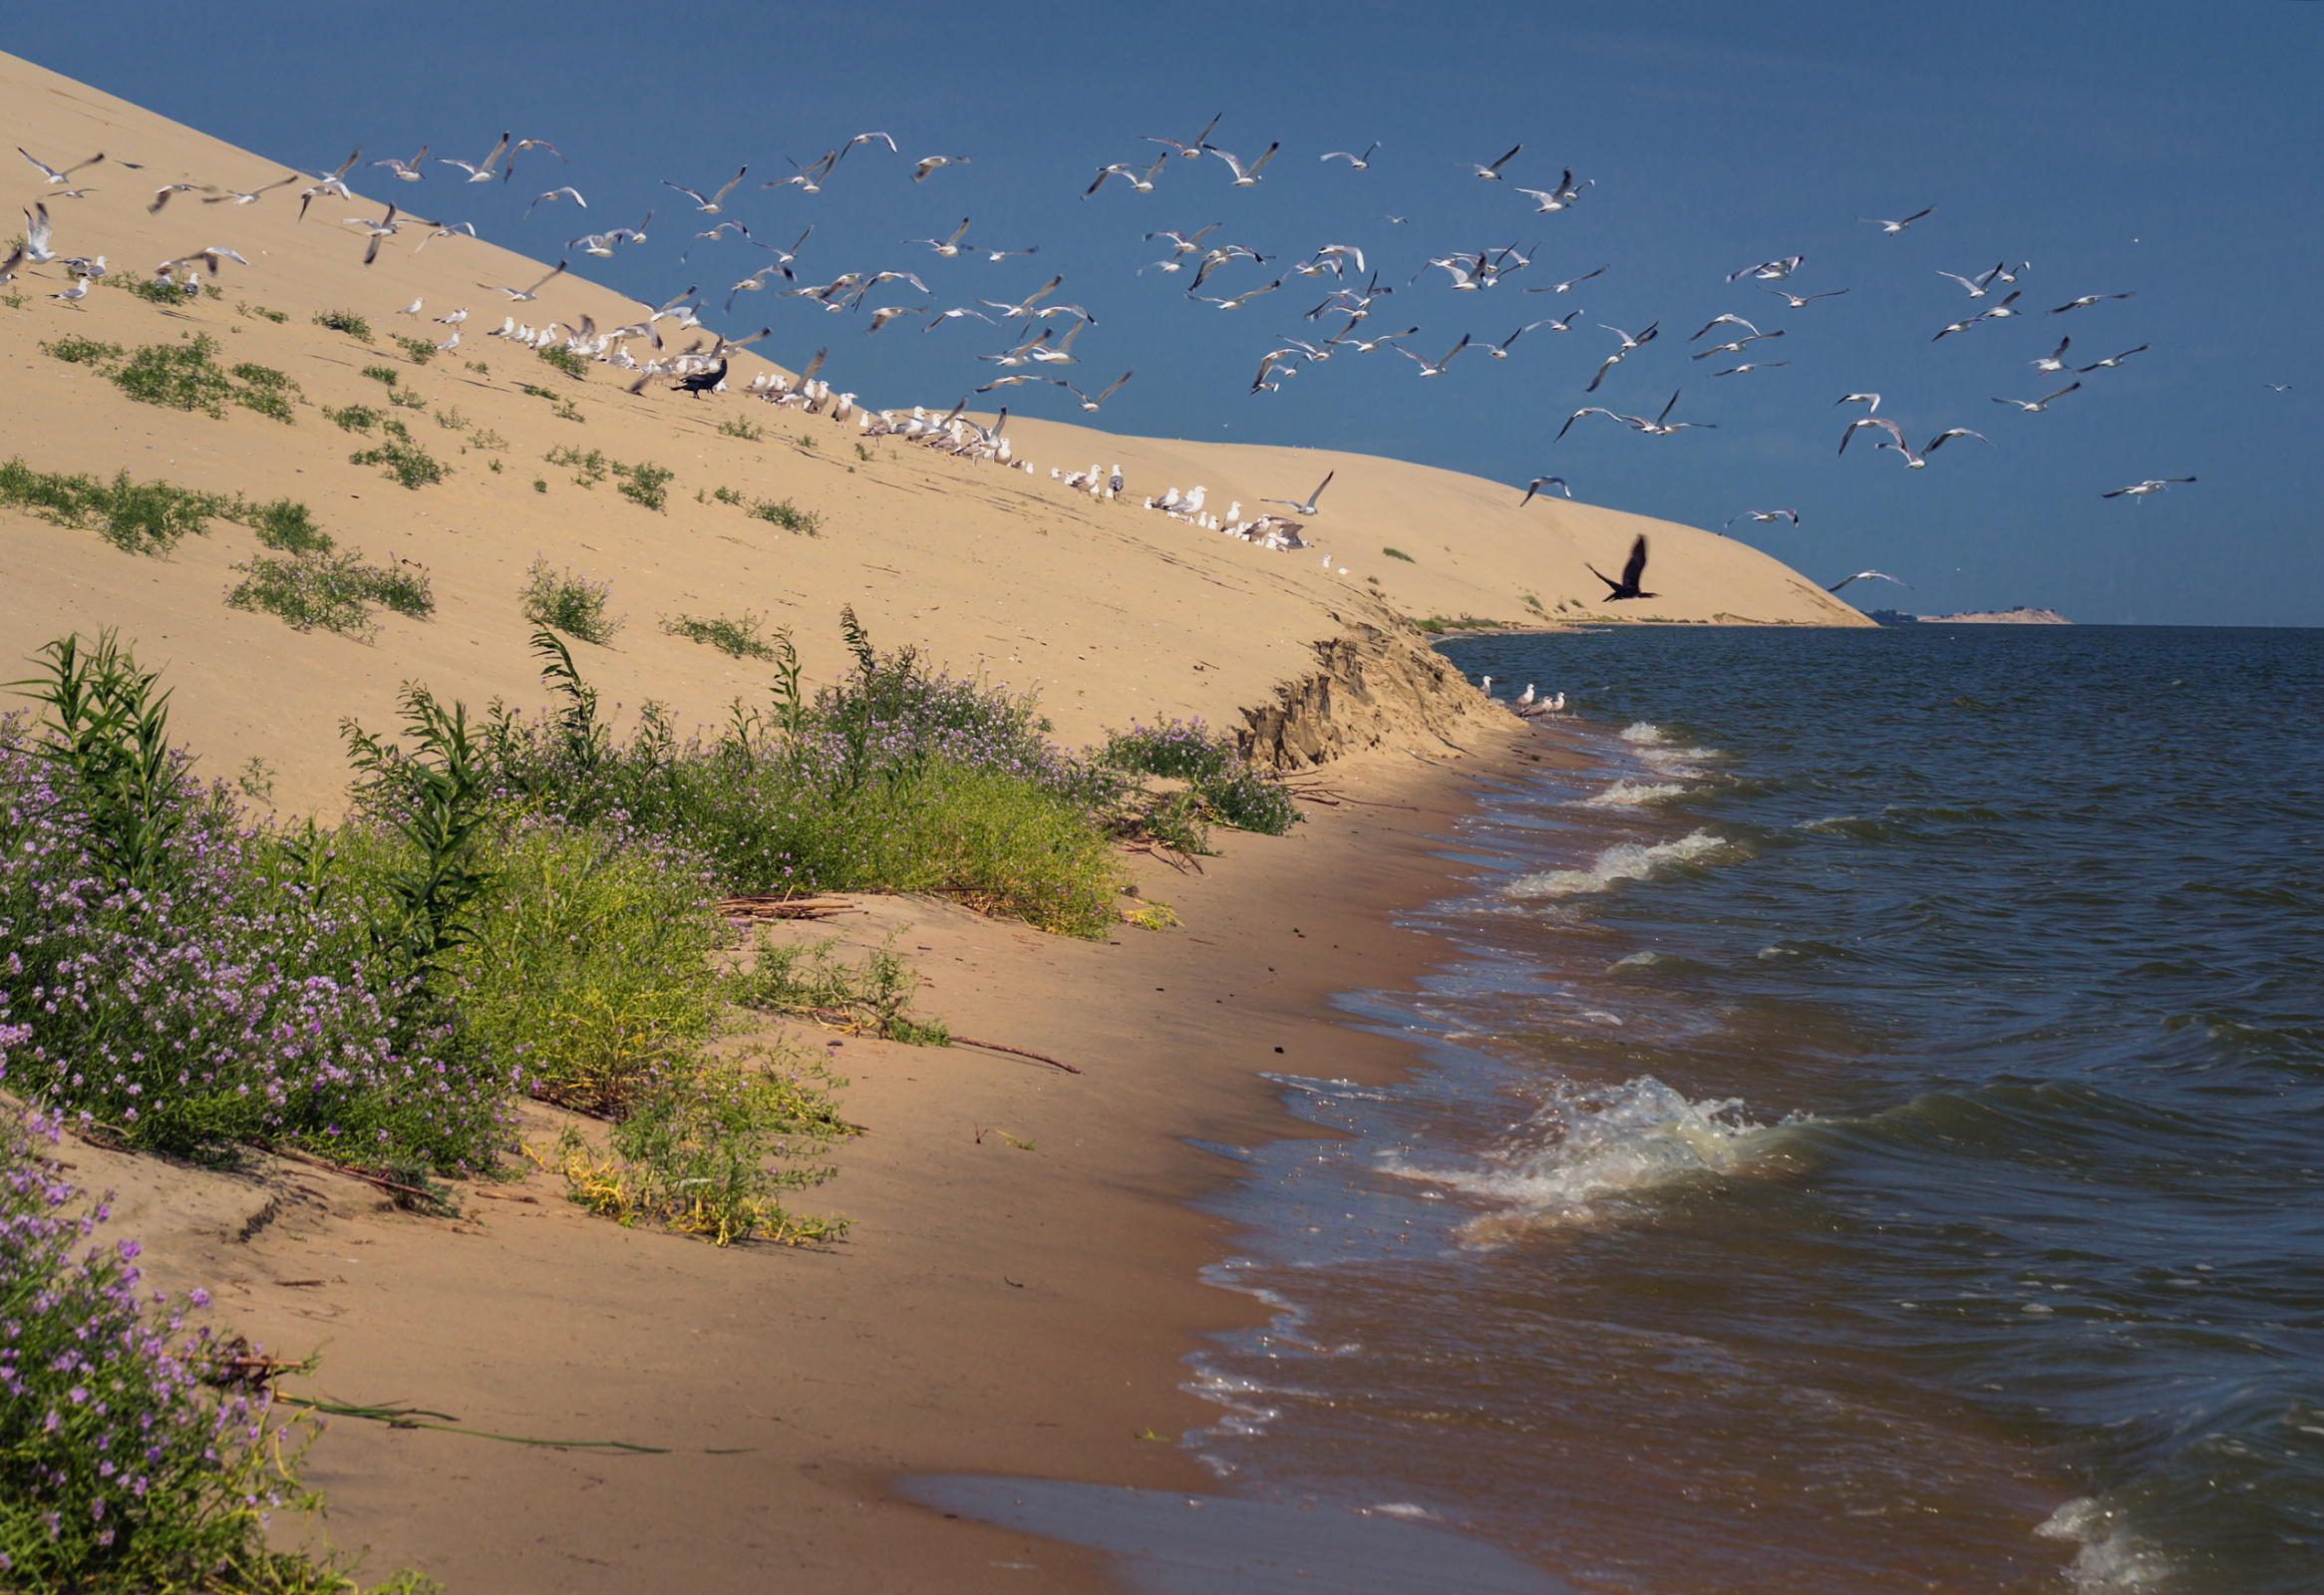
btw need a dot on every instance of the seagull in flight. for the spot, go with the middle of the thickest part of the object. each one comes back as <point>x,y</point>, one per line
<point>1244,177</point>
<point>1560,287</point>
<point>1734,347</point>
<point>929,163</point>
<point>162,193</point>
<point>2000,312</point>
<point>1500,350</point>
<point>1087,402</point>
<point>1663,427</point>
<point>230,197</point>
<point>1870,575</point>
<point>1872,402</point>
<point>1593,410</point>
<point>1140,178</point>
<point>1362,162</point>
<point>711,205</point>
<point>1728,320</point>
<point>2055,360</point>
<point>2034,407</point>
<point>1241,300</point>
<point>2144,490</point>
<point>1557,199</point>
<point>1752,365</point>
<point>1978,286</point>
<point>1491,173</point>
<point>1629,343</point>
<point>2088,300</point>
<point>1428,370</point>
<point>1802,301</point>
<point>1793,516</point>
<point>947,247</point>
<point>2112,361</point>
<point>1539,482</point>
<point>526,295</point>
<point>1891,228</point>
<point>50,175</point>
<point>2278,387</point>
<point>1194,151</point>
<point>335,183</point>
<point>1771,270</point>
<point>559,194</point>
<point>1307,507</point>
<point>483,171</point>
<point>1881,422</point>
<point>406,171</point>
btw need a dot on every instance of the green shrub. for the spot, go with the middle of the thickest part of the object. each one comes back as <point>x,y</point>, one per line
<point>568,603</point>
<point>403,460</point>
<point>741,427</point>
<point>538,392</point>
<point>353,418</point>
<point>405,399</point>
<point>874,996</point>
<point>268,392</point>
<point>279,317</point>
<point>452,420</point>
<point>712,1152</point>
<point>478,367</point>
<point>591,959</point>
<point>1399,553</point>
<point>863,451</point>
<point>330,589</point>
<point>726,496</point>
<point>487,437</point>
<point>572,363</point>
<point>788,516</point>
<point>417,349</point>
<point>153,290</point>
<point>1228,787</point>
<point>739,638</point>
<point>588,469</point>
<point>646,485</point>
<point>287,526</point>
<point>177,376</point>
<point>386,374</point>
<point>138,517</point>
<point>345,321</point>
<point>79,351</point>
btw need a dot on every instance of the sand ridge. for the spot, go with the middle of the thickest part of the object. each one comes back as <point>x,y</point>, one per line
<point>1114,613</point>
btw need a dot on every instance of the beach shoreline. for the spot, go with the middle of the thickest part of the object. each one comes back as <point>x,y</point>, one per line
<point>1017,1298</point>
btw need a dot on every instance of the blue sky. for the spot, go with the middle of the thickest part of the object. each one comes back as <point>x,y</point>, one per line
<point>2167,151</point>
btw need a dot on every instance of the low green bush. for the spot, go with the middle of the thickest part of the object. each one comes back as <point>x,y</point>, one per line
<point>176,376</point>
<point>403,460</point>
<point>353,418</point>
<point>1399,553</point>
<point>712,1152</point>
<point>138,517</point>
<point>568,603</point>
<point>417,350</point>
<point>79,351</point>
<point>788,516</point>
<point>646,485</point>
<point>331,589</point>
<point>287,526</point>
<point>738,638</point>
<point>345,321</point>
<point>386,374</point>
<point>741,427</point>
<point>279,317</point>
<point>572,363</point>
<point>1227,786</point>
<point>875,995</point>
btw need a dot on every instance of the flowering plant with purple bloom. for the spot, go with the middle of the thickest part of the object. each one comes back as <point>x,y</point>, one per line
<point>129,1459</point>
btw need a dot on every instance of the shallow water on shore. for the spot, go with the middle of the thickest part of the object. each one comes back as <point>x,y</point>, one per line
<point>1871,1137</point>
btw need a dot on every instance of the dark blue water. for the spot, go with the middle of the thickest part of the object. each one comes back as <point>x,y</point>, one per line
<point>1873,1135</point>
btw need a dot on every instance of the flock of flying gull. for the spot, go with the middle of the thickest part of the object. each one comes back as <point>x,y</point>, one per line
<point>1041,333</point>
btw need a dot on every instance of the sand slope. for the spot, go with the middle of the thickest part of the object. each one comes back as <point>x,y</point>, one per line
<point>1114,613</point>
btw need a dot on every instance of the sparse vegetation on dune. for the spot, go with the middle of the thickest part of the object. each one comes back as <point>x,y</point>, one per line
<point>572,364</point>
<point>570,603</point>
<point>739,638</point>
<point>345,321</point>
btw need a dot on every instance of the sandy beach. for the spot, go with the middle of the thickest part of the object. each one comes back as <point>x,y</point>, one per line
<point>1020,1287</point>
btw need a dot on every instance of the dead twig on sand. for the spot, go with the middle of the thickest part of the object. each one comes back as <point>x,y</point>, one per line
<point>776,905</point>
<point>996,1047</point>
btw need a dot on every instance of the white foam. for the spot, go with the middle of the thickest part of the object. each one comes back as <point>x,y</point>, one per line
<point>1584,1146</point>
<point>2111,1560</point>
<point>1622,861</point>
<point>1643,731</point>
<point>1628,794</point>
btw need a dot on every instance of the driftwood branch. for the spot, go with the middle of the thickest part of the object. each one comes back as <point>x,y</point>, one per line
<point>381,1180</point>
<point>776,905</point>
<point>996,1047</point>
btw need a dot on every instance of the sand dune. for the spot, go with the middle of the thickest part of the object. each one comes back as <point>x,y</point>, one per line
<point>1114,613</point>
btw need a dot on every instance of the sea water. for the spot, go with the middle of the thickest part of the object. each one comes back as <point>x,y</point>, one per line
<point>1869,1134</point>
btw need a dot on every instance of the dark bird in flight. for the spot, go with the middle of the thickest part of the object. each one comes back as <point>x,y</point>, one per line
<point>1632,574</point>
